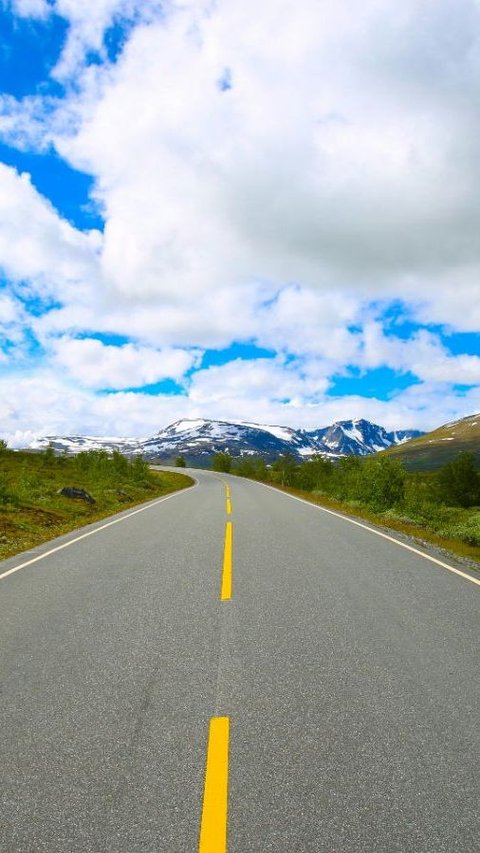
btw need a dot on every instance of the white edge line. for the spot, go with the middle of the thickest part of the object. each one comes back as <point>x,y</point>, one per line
<point>375,532</point>
<point>150,505</point>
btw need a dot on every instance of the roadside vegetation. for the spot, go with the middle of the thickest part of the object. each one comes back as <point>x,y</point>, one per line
<point>442,507</point>
<point>32,510</point>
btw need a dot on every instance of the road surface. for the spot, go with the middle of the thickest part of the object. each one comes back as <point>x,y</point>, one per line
<point>233,636</point>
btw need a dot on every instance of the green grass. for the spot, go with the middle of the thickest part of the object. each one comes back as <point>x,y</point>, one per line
<point>32,512</point>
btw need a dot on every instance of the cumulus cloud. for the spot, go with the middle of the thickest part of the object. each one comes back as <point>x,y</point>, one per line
<point>266,174</point>
<point>259,379</point>
<point>36,245</point>
<point>88,22</point>
<point>97,365</point>
<point>423,354</point>
<point>43,404</point>
<point>323,163</point>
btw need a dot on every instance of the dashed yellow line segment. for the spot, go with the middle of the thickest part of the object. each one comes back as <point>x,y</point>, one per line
<point>226,589</point>
<point>213,828</point>
<point>213,825</point>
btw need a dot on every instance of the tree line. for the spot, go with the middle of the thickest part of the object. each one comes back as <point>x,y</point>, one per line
<point>378,481</point>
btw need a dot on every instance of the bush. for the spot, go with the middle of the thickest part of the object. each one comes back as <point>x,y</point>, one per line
<point>48,455</point>
<point>467,530</point>
<point>459,481</point>
<point>346,482</point>
<point>222,462</point>
<point>381,482</point>
<point>6,497</point>
<point>253,467</point>
<point>316,475</point>
<point>285,469</point>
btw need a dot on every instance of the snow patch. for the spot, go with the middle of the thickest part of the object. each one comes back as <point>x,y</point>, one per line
<point>186,426</point>
<point>353,433</point>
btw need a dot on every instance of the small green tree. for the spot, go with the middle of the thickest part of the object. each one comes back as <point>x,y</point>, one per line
<point>252,466</point>
<point>346,479</point>
<point>284,469</point>
<point>316,473</point>
<point>459,481</point>
<point>382,482</point>
<point>246,467</point>
<point>139,470</point>
<point>222,462</point>
<point>180,462</point>
<point>119,465</point>
<point>49,454</point>
<point>3,447</point>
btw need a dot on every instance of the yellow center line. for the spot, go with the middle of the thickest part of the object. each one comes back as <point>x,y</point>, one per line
<point>226,591</point>
<point>227,490</point>
<point>229,506</point>
<point>213,829</point>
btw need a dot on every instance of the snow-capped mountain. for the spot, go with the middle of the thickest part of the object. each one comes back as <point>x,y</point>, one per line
<point>201,438</point>
<point>72,444</point>
<point>359,437</point>
<point>197,440</point>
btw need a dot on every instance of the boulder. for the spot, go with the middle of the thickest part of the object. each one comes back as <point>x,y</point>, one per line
<point>79,494</point>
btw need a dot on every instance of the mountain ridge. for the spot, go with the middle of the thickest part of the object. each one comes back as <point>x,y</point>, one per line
<point>197,439</point>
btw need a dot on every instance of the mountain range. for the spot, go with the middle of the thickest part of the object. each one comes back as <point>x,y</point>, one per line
<point>197,440</point>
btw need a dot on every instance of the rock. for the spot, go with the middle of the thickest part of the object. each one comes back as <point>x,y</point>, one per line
<point>80,494</point>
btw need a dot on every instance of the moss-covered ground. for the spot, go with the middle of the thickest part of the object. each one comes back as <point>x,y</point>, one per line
<point>32,511</point>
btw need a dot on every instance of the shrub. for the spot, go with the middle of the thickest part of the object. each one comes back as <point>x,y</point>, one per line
<point>222,462</point>
<point>316,474</point>
<point>285,469</point>
<point>459,481</point>
<point>253,467</point>
<point>381,482</point>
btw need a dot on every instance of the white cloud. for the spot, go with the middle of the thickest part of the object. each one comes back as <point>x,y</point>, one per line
<point>31,8</point>
<point>37,246</point>
<point>258,380</point>
<point>42,404</point>
<point>423,355</point>
<point>97,365</point>
<point>88,21</point>
<point>343,156</point>
<point>308,169</point>
<point>340,168</point>
<point>9,310</point>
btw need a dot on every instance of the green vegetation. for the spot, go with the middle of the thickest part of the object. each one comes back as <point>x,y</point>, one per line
<point>180,462</point>
<point>33,511</point>
<point>222,462</point>
<point>442,507</point>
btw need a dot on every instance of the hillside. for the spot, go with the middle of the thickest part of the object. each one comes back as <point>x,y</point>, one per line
<point>434,449</point>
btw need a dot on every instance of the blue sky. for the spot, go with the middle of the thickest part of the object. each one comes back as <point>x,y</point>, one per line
<point>220,212</point>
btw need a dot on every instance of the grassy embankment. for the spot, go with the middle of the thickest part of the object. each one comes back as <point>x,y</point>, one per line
<point>32,511</point>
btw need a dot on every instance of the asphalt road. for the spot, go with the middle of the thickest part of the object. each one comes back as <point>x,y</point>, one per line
<point>341,669</point>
